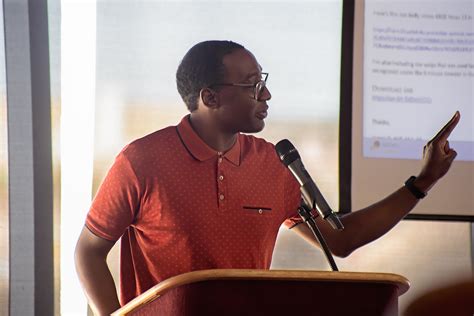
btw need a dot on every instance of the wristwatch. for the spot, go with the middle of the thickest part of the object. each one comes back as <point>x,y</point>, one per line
<point>413,189</point>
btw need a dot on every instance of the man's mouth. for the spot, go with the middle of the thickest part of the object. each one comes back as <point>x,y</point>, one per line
<point>261,115</point>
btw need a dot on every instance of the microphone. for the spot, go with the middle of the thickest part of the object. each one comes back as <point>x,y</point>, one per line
<point>311,194</point>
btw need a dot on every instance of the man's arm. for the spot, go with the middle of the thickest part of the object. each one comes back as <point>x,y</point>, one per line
<point>368,224</point>
<point>362,227</point>
<point>91,265</point>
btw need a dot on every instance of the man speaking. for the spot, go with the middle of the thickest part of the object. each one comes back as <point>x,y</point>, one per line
<point>202,195</point>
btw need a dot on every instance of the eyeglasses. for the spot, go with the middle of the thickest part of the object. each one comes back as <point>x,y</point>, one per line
<point>258,86</point>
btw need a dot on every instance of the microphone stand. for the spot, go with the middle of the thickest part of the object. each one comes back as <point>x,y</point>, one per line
<point>305,214</point>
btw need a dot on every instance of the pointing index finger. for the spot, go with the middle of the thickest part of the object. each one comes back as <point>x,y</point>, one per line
<point>444,133</point>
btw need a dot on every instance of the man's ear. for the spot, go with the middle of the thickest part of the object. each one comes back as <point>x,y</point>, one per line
<point>209,97</point>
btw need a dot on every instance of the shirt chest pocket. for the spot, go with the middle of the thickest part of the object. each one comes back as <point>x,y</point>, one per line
<point>265,210</point>
<point>256,198</point>
<point>263,206</point>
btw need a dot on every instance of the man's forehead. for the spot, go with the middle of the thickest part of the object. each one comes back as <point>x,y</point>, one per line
<point>241,64</point>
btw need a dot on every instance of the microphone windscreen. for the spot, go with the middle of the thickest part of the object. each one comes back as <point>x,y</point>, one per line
<point>286,152</point>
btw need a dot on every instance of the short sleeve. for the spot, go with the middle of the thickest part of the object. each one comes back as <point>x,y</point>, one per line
<point>292,201</point>
<point>117,201</point>
<point>293,193</point>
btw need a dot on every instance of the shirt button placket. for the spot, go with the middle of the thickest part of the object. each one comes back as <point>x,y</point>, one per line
<point>220,179</point>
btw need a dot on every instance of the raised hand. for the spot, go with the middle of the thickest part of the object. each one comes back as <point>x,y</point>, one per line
<point>437,155</point>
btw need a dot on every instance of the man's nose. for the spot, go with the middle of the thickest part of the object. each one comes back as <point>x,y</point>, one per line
<point>266,95</point>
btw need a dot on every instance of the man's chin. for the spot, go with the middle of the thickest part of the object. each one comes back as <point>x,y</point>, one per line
<point>254,129</point>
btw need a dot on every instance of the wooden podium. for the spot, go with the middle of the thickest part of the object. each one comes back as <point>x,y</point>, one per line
<point>271,292</point>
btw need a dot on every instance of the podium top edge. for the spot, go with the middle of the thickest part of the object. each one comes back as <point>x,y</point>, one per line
<point>287,275</point>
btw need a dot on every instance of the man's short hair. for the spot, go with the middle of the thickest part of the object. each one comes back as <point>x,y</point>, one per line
<point>202,66</point>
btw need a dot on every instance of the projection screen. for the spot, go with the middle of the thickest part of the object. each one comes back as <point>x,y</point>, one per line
<point>413,68</point>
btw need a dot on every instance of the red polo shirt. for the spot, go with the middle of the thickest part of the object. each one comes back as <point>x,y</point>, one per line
<point>181,206</point>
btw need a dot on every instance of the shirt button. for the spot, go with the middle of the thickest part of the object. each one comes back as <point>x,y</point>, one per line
<point>221,178</point>
<point>221,197</point>
<point>220,159</point>
<point>260,211</point>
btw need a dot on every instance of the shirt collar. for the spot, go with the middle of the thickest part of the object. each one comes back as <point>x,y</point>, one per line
<point>199,149</point>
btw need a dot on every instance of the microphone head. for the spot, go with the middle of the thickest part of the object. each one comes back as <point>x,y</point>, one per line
<point>286,152</point>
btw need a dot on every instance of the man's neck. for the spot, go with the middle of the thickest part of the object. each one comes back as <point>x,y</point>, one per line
<point>209,132</point>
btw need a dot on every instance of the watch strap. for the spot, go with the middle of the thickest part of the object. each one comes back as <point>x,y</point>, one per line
<point>413,189</point>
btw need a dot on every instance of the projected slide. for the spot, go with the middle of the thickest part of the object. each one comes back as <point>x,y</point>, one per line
<point>418,70</point>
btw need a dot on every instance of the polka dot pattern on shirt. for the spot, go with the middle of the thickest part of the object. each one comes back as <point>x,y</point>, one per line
<point>179,209</point>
